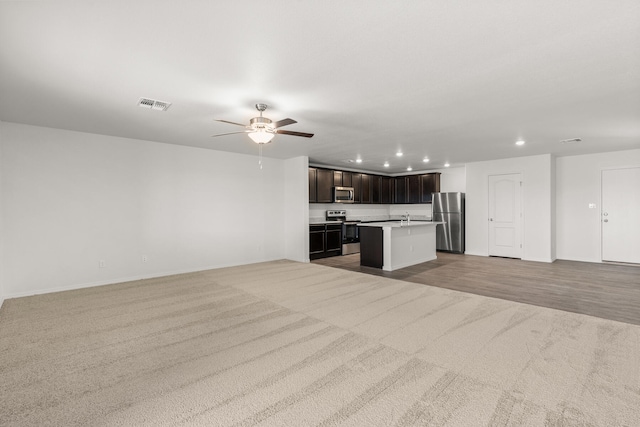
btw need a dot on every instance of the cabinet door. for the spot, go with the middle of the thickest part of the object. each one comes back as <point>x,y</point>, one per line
<point>400,190</point>
<point>413,189</point>
<point>312,185</point>
<point>376,189</point>
<point>356,181</point>
<point>316,240</point>
<point>325,182</point>
<point>366,188</point>
<point>430,183</point>
<point>334,239</point>
<point>385,190</point>
<point>436,182</point>
<point>337,178</point>
<point>346,179</point>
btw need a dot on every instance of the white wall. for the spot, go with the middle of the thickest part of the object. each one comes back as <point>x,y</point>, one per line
<point>72,199</point>
<point>453,180</point>
<point>536,202</point>
<point>578,233</point>
<point>552,208</point>
<point>1,222</point>
<point>297,212</point>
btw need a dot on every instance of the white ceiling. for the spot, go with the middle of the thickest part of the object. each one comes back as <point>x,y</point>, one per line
<point>457,81</point>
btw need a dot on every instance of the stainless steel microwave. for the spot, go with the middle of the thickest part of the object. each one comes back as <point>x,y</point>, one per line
<point>343,195</point>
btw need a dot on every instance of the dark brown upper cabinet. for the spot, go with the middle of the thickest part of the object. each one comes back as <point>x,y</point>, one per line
<point>347,179</point>
<point>413,189</point>
<point>313,179</point>
<point>324,186</point>
<point>429,183</point>
<point>356,183</point>
<point>373,188</point>
<point>366,188</point>
<point>376,189</point>
<point>386,190</point>
<point>400,190</point>
<point>337,178</point>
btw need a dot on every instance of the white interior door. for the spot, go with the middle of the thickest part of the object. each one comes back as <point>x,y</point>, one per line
<point>621,215</point>
<point>505,215</point>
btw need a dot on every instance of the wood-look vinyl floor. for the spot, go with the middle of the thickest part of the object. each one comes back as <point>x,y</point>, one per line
<point>609,291</point>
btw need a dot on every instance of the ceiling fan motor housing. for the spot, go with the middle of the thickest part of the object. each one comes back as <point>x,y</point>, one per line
<point>261,123</point>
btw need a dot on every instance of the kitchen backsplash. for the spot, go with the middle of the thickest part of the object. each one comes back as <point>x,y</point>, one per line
<point>317,211</point>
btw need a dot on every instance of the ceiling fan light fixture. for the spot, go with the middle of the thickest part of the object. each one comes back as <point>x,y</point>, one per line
<point>261,136</point>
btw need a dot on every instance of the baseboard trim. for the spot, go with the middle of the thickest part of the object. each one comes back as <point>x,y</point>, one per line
<point>476,253</point>
<point>115,281</point>
<point>547,260</point>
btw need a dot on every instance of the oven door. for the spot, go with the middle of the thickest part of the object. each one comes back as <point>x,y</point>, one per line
<point>350,232</point>
<point>350,238</point>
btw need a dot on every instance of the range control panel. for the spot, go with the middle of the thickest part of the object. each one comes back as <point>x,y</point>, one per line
<point>336,213</point>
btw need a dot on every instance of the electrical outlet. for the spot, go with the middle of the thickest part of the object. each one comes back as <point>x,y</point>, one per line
<point>102,263</point>
<point>145,258</point>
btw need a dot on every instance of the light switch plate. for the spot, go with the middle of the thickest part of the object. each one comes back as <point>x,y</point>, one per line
<point>592,205</point>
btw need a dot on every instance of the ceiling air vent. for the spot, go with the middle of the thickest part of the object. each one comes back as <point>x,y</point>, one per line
<point>153,104</point>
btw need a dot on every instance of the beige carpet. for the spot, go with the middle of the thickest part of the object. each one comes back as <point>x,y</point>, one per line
<point>292,344</point>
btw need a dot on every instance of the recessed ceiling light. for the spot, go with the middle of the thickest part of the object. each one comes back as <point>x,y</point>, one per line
<point>446,165</point>
<point>386,164</point>
<point>358,160</point>
<point>399,154</point>
<point>520,142</point>
<point>409,168</point>
<point>426,160</point>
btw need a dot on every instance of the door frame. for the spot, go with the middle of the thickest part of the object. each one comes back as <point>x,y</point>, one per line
<point>521,216</point>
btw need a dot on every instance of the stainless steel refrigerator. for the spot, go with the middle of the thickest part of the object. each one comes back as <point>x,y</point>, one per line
<point>449,208</point>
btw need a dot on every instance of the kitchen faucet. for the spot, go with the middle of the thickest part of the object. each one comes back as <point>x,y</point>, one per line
<point>407,217</point>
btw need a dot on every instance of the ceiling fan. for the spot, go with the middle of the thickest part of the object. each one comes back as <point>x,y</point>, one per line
<point>262,129</point>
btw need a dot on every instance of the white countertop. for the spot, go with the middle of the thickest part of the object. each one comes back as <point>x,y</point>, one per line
<point>398,224</point>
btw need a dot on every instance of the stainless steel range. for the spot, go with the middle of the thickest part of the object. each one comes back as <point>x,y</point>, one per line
<point>350,235</point>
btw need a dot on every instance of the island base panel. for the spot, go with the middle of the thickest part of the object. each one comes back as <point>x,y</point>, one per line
<point>371,247</point>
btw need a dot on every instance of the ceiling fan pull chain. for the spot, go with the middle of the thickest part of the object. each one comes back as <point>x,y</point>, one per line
<point>260,158</point>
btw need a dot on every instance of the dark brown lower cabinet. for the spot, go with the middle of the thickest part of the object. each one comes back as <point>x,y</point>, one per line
<point>371,254</point>
<point>325,240</point>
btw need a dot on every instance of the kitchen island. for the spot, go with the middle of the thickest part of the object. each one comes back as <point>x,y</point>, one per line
<point>392,245</point>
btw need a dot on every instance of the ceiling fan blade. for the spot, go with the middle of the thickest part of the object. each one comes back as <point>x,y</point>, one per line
<point>230,133</point>
<point>231,123</point>
<point>283,122</point>
<point>289,132</point>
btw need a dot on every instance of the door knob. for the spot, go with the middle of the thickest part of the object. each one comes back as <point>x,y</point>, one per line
<point>605,214</point>
<point>490,219</point>
<point>606,220</point>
